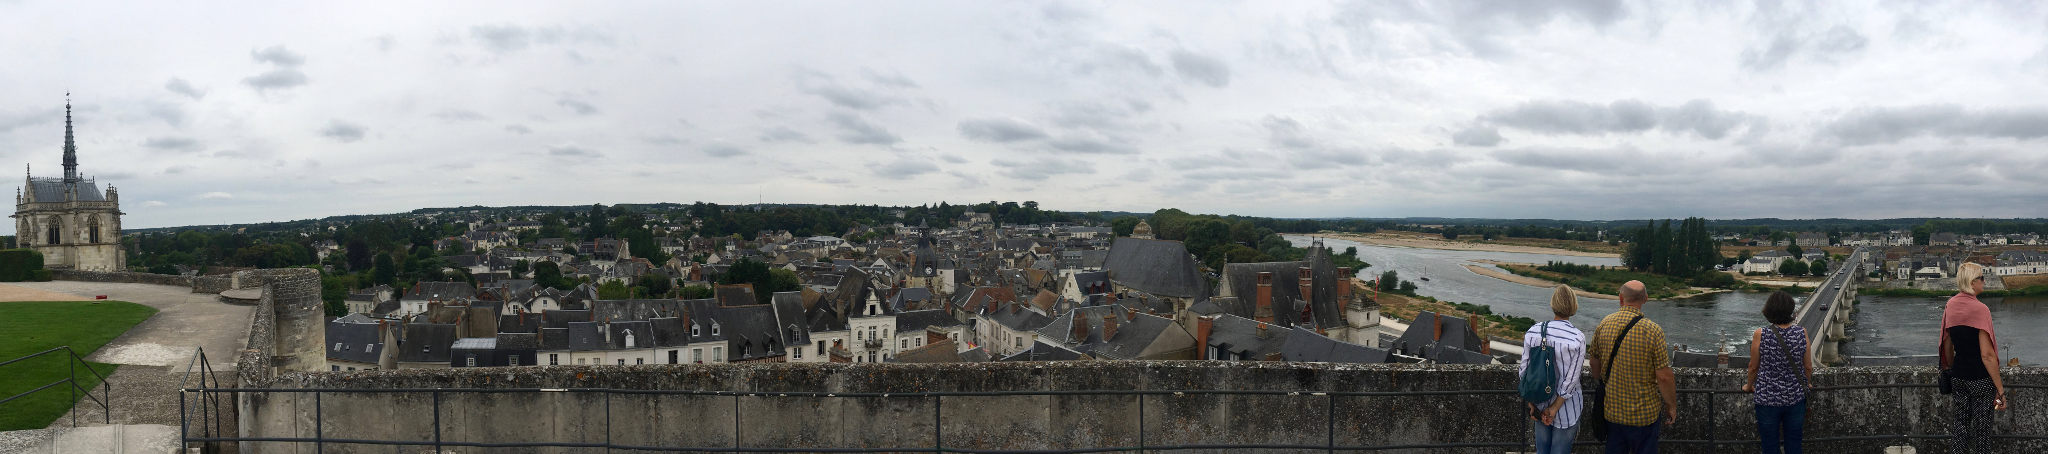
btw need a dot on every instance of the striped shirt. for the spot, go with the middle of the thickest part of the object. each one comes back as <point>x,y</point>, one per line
<point>1571,361</point>
<point>1633,398</point>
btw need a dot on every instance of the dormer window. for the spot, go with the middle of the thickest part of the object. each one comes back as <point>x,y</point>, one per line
<point>696,329</point>
<point>714,328</point>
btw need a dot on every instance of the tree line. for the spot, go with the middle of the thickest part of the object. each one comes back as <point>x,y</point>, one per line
<point>1684,252</point>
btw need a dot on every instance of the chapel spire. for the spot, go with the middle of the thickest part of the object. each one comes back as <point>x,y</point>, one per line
<point>70,147</point>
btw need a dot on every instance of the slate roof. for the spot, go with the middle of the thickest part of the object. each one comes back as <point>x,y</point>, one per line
<point>562,318</point>
<point>475,343</point>
<point>554,339</point>
<point>1042,351</point>
<point>751,333</point>
<point>919,320</point>
<point>700,315</point>
<point>49,190</point>
<point>633,309</point>
<point>350,341</point>
<point>791,318</point>
<point>1419,341</point>
<point>1159,267</point>
<point>1019,319</point>
<point>519,323</point>
<point>1307,346</point>
<point>584,336</point>
<point>518,341</point>
<point>1240,337</point>
<point>736,295</point>
<point>643,334</point>
<point>426,342</point>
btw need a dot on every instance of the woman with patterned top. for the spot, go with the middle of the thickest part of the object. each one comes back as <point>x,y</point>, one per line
<point>1557,423</point>
<point>1779,374</point>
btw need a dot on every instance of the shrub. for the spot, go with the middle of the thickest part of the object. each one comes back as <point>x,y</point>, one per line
<point>18,265</point>
<point>39,275</point>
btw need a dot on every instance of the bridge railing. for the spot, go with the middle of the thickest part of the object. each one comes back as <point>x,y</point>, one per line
<point>1330,403</point>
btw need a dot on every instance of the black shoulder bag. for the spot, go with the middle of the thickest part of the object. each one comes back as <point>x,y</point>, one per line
<point>1941,381</point>
<point>1599,410</point>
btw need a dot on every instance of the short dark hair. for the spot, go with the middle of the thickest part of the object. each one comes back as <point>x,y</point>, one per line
<point>1778,309</point>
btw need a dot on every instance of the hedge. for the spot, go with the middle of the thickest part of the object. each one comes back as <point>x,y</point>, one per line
<point>17,265</point>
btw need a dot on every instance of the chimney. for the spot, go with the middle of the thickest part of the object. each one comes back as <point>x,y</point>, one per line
<point>1203,325</point>
<point>1262,330</point>
<point>1721,360</point>
<point>1307,279</point>
<point>1108,327</point>
<point>1439,328</point>
<point>1472,325</point>
<point>1130,314</point>
<point>1264,311</point>
<point>1080,331</point>
<point>1344,283</point>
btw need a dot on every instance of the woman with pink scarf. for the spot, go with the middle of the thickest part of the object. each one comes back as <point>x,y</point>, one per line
<point>1969,353</point>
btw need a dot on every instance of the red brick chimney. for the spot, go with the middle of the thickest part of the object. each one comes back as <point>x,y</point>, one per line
<point>1343,283</point>
<point>1080,331</point>
<point>1307,279</point>
<point>1130,314</point>
<point>1108,327</point>
<point>1264,311</point>
<point>1203,325</point>
<point>1485,346</point>
<point>1262,330</point>
<point>1439,319</point>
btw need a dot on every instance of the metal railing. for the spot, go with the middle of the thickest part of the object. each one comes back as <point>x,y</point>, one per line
<point>208,401</point>
<point>72,360</point>
<point>319,440</point>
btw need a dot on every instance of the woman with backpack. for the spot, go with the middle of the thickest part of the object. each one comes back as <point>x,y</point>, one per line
<point>1779,375</point>
<point>1555,356</point>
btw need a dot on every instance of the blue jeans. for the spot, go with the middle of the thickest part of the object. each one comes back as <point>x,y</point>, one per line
<point>1623,439</point>
<point>1552,440</point>
<point>1790,418</point>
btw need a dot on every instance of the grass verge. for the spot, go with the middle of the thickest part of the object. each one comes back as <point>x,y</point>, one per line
<point>31,327</point>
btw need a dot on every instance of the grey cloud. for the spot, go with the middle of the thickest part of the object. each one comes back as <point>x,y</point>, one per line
<point>855,130</point>
<point>518,129</point>
<point>1201,68</point>
<point>276,79</point>
<point>1284,132</point>
<point>278,55</point>
<point>1625,116</point>
<point>953,159</point>
<point>177,169</point>
<point>180,86</point>
<point>577,106</point>
<point>1114,57</point>
<point>1477,136</point>
<point>1041,169</point>
<point>507,38</point>
<point>344,132</point>
<point>852,98</point>
<point>784,134</point>
<point>9,122</point>
<point>723,150</point>
<point>1584,160</point>
<point>1471,27</point>
<point>1089,144</point>
<point>1825,47</point>
<point>1880,125</point>
<point>1098,115</point>
<point>967,180</point>
<point>902,167</point>
<point>573,151</point>
<point>172,143</point>
<point>459,115</point>
<point>891,79</point>
<point>170,114</point>
<point>664,140</point>
<point>1000,130</point>
<point>385,42</point>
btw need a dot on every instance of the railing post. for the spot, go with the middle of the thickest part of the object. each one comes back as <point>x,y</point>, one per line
<point>939,423</point>
<point>1713,425</point>
<point>437,421</point>
<point>71,387</point>
<point>1141,423</point>
<point>607,420</point>
<point>1330,419</point>
<point>184,427</point>
<point>735,422</point>
<point>319,428</point>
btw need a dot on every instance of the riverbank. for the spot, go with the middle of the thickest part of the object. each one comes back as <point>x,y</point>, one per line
<point>1425,241</point>
<point>1534,282</point>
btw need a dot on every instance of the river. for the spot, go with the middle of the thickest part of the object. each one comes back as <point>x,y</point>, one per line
<point>1696,323</point>
<point>1900,326</point>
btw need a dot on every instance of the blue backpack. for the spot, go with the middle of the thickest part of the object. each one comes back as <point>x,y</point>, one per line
<point>1539,382</point>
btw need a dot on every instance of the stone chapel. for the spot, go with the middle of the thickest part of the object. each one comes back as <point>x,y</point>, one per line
<point>68,219</point>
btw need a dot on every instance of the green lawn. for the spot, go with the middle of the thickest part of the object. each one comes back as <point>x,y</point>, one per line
<point>27,328</point>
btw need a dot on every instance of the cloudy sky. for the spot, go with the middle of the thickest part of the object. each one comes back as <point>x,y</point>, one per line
<point>264,111</point>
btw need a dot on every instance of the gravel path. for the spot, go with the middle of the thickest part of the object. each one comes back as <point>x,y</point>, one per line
<point>10,293</point>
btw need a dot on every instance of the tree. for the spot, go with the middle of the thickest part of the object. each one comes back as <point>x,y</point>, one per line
<point>696,292</point>
<point>1792,267</point>
<point>520,267</point>
<point>1818,268</point>
<point>384,271</point>
<point>614,290</point>
<point>1390,281</point>
<point>1795,251</point>
<point>1123,225</point>
<point>358,255</point>
<point>764,280</point>
<point>548,274</point>
<point>654,285</point>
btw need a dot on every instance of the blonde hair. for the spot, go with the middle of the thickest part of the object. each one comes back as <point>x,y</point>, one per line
<point>1564,302</point>
<point>1970,271</point>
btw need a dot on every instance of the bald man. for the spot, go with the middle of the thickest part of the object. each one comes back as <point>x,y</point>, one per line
<point>1641,388</point>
